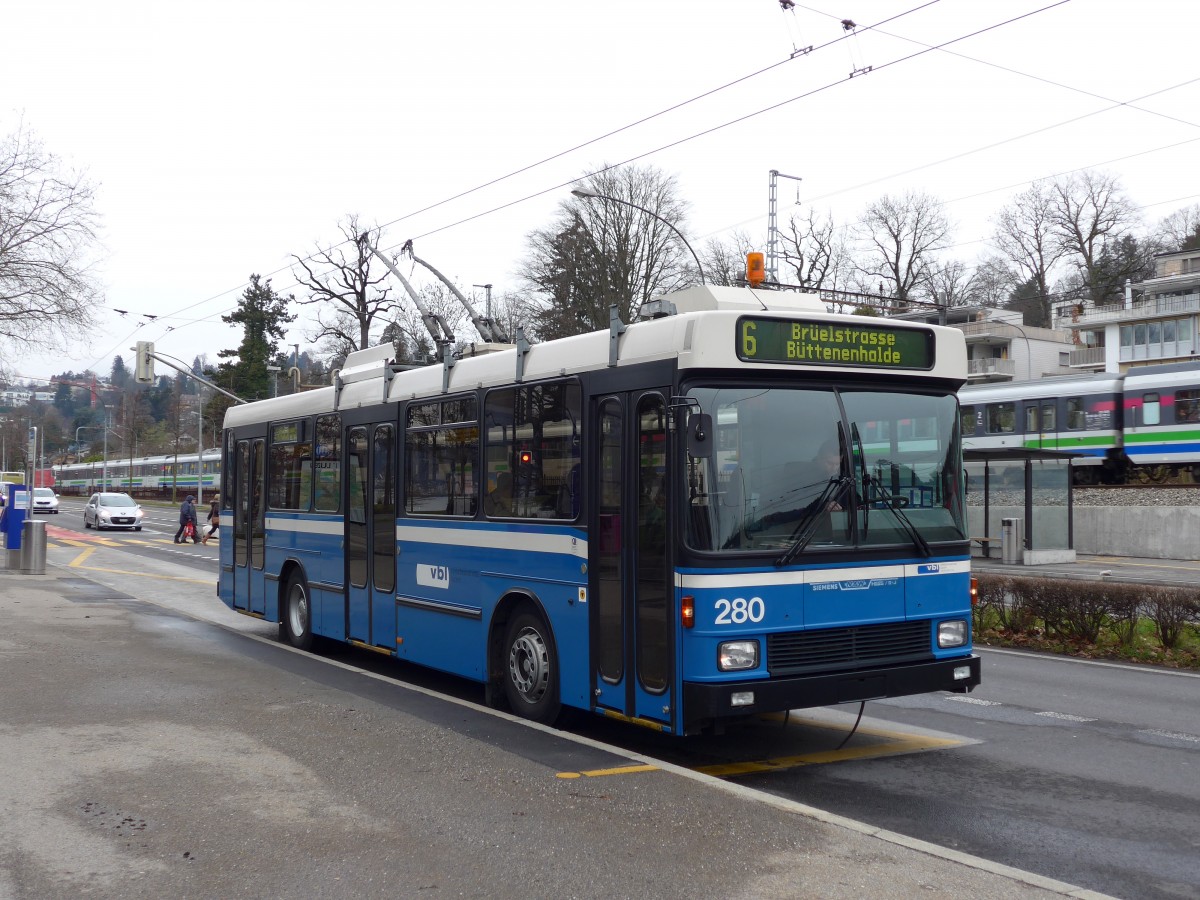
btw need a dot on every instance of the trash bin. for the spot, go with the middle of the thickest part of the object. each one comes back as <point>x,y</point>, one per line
<point>1012,541</point>
<point>33,547</point>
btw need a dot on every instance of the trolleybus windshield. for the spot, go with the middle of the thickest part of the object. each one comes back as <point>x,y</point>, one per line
<point>860,455</point>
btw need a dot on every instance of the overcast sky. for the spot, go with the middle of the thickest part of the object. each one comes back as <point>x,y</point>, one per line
<point>227,136</point>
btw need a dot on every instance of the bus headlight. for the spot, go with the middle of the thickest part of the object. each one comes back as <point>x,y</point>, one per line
<point>952,633</point>
<point>733,656</point>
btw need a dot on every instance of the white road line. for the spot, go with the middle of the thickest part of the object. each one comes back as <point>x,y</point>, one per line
<point>1124,667</point>
<point>1065,717</point>
<point>975,700</point>
<point>1174,735</point>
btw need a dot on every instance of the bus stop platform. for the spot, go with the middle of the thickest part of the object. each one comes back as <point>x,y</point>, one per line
<point>146,752</point>
<point>1133,569</point>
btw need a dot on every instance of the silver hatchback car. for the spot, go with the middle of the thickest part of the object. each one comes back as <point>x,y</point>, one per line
<point>45,500</point>
<point>112,511</point>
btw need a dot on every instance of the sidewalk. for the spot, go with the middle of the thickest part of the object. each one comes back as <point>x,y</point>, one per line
<point>1137,570</point>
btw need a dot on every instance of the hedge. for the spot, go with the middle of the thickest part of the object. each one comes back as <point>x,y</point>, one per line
<point>1081,611</point>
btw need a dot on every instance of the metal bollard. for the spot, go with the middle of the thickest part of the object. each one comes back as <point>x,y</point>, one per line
<point>33,547</point>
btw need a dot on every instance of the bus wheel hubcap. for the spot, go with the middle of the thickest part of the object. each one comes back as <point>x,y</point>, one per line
<point>529,665</point>
<point>299,612</point>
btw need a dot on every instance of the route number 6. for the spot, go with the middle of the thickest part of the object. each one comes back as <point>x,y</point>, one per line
<point>739,611</point>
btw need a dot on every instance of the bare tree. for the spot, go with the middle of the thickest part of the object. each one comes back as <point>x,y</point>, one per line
<point>902,235</point>
<point>1180,230</point>
<point>1090,213</point>
<point>813,252</point>
<point>725,261</point>
<point>599,253</point>
<point>1027,236</point>
<point>952,283</point>
<point>48,293</point>
<point>339,280</point>
<point>407,329</point>
<point>994,282</point>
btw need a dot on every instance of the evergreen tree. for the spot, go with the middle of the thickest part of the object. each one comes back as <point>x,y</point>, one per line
<point>262,314</point>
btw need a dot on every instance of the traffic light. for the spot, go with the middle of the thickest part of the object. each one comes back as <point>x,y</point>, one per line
<point>143,368</point>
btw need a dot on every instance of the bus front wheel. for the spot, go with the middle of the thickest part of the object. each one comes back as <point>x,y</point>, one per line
<point>531,669</point>
<point>296,624</point>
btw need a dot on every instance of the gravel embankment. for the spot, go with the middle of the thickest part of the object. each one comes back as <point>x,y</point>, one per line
<point>1150,496</point>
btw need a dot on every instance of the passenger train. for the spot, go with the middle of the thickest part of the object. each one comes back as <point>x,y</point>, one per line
<point>152,476</point>
<point>1143,425</point>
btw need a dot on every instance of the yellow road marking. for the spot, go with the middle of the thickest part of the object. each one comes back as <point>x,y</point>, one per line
<point>77,562</point>
<point>912,744</point>
<point>73,543</point>
<point>1124,560</point>
<point>600,773</point>
<point>204,581</point>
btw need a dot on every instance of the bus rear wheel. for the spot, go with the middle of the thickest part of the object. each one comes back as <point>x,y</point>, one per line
<point>295,625</point>
<point>531,669</point>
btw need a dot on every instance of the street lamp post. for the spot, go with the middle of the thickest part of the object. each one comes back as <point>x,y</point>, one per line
<point>590,195</point>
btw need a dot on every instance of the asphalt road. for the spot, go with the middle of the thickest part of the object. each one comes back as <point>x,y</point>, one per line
<point>147,753</point>
<point>1084,773</point>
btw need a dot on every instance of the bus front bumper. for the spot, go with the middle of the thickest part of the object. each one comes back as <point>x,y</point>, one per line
<point>705,701</point>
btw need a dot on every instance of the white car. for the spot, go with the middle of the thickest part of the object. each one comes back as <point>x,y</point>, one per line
<point>45,500</point>
<point>112,511</point>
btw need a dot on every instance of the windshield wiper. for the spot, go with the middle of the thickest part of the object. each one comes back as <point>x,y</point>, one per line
<point>807,526</point>
<point>866,478</point>
<point>905,522</point>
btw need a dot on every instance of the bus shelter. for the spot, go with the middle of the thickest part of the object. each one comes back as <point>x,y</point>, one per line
<point>1019,504</point>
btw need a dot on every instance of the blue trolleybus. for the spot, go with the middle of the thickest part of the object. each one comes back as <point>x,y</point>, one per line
<point>738,504</point>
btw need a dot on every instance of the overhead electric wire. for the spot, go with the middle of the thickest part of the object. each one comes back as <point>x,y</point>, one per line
<point>926,49</point>
<point>1008,140</point>
<point>749,116</point>
<point>546,160</point>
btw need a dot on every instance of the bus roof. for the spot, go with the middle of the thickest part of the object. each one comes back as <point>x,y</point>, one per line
<point>697,328</point>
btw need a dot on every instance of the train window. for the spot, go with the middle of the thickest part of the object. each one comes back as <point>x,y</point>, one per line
<point>1031,419</point>
<point>967,419</point>
<point>1187,406</point>
<point>1049,418</point>
<point>1001,418</point>
<point>1076,417</point>
<point>1150,409</point>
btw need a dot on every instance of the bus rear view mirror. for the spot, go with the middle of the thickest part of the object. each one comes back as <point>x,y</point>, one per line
<point>699,436</point>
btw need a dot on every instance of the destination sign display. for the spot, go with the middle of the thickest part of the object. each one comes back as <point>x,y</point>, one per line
<point>809,342</point>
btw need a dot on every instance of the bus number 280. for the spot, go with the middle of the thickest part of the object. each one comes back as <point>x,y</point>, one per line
<point>740,611</point>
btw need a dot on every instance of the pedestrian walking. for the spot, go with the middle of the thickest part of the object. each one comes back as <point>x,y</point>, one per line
<point>214,518</point>
<point>187,517</point>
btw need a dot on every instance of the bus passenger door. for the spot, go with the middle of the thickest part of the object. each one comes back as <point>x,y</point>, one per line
<point>249,528</point>
<point>370,536</point>
<point>632,606</point>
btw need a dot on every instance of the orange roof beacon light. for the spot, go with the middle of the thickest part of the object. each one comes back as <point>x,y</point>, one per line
<point>756,269</point>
